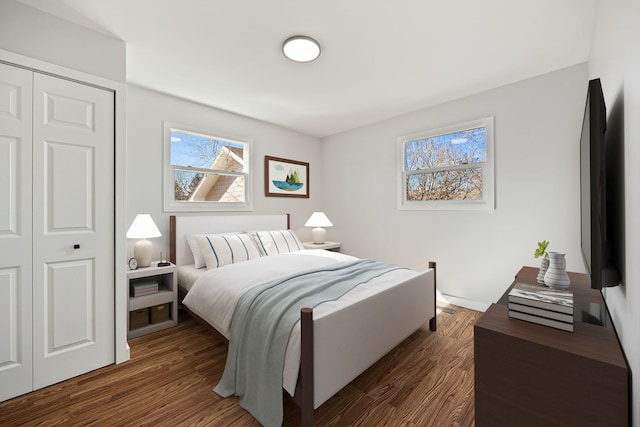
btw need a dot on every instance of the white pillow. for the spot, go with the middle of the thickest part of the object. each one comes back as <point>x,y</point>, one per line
<point>222,249</point>
<point>198,259</point>
<point>278,242</point>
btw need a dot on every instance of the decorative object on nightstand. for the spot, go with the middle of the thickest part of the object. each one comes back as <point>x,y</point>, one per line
<point>556,276</point>
<point>318,220</point>
<point>143,228</point>
<point>541,251</point>
<point>163,261</point>
<point>141,287</point>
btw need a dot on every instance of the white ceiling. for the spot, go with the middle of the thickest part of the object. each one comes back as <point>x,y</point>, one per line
<point>380,58</point>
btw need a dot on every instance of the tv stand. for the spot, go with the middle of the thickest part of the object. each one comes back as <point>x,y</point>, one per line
<point>531,375</point>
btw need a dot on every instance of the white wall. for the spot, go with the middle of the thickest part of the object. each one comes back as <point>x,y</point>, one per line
<point>39,35</point>
<point>537,132</point>
<point>615,59</point>
<point>146,112</point>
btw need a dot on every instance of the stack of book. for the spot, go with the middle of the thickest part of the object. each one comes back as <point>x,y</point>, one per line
<point>542,305</point>
<point>143,287</point>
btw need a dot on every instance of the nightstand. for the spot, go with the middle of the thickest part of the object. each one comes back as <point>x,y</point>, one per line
<point>154,311</point>
<point>330,246</point>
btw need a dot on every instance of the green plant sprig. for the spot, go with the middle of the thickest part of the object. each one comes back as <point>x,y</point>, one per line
<point>542,250</point>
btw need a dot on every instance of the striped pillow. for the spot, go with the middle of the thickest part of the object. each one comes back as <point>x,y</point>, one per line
<point>223,249</point>
<point>277,242</point>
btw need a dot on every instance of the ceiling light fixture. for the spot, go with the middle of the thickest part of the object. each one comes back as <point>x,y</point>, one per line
<point>301,49</point>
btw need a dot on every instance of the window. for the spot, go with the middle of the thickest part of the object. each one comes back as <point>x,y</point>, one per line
<point>204,172</point>
<point>448,168</point>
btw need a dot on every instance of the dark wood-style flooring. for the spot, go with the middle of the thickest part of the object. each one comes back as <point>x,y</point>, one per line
<point>426,381</point>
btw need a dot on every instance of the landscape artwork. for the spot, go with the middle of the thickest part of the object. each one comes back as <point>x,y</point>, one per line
<point>285,178</point>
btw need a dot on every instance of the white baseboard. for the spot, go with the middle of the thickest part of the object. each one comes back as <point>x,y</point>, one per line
<point>472,305</point>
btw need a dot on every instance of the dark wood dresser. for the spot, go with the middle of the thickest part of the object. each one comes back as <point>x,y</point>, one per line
<point>532,375</point>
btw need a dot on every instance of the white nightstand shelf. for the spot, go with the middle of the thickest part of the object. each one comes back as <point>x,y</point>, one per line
<point>330,246</point>
<point>167,294</point>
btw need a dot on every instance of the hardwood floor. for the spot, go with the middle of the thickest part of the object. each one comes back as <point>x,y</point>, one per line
<point>426,381</point>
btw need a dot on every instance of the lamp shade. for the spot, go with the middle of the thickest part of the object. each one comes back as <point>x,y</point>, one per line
<point>143,227</point>
<point>318,219</point>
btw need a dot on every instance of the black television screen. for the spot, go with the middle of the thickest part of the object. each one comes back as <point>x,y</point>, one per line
<point>595,230</point>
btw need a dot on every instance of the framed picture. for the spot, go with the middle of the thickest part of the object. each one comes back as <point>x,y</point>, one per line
<point>285,178</point>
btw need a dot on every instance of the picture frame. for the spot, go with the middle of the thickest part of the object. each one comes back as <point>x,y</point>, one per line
<point>285,178</point>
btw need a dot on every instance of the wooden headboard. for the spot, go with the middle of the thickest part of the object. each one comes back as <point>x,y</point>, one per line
<point>181,226</point>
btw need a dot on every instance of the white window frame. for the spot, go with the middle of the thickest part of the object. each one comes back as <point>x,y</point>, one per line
<point>488,184</point>
<point>172,205</point>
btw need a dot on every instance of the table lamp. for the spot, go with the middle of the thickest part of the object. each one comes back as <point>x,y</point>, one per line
<point>318,220</point>
<point>143,228</point>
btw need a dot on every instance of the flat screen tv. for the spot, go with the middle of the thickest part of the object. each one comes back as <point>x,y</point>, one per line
<point>596,235</point>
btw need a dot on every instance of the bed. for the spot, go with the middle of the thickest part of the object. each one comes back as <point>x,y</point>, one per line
<point>313,369</point>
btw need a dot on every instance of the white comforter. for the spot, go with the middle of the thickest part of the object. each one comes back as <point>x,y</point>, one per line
<point>215,294</point>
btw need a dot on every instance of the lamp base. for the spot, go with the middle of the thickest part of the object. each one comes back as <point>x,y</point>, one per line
<point>318,235</point>
<point>142,251</point>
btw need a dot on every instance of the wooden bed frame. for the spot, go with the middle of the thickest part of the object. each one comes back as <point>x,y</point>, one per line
<point>324,371</point>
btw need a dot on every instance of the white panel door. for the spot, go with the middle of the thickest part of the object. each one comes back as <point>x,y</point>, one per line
<point>73,229</point>
<point>15,231</point>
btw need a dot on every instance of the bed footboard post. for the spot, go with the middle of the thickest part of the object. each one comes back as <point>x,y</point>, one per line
<point>306,367</point>
<point>432,321</point>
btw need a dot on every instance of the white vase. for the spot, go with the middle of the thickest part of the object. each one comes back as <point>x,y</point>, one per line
<point>556,276</point>
<point>544,265</point>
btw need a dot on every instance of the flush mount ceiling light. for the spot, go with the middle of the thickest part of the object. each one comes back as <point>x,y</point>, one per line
<point>301,49</point>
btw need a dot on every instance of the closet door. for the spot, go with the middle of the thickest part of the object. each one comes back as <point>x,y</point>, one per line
<point>15,232</point>
<point>73,229</point>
